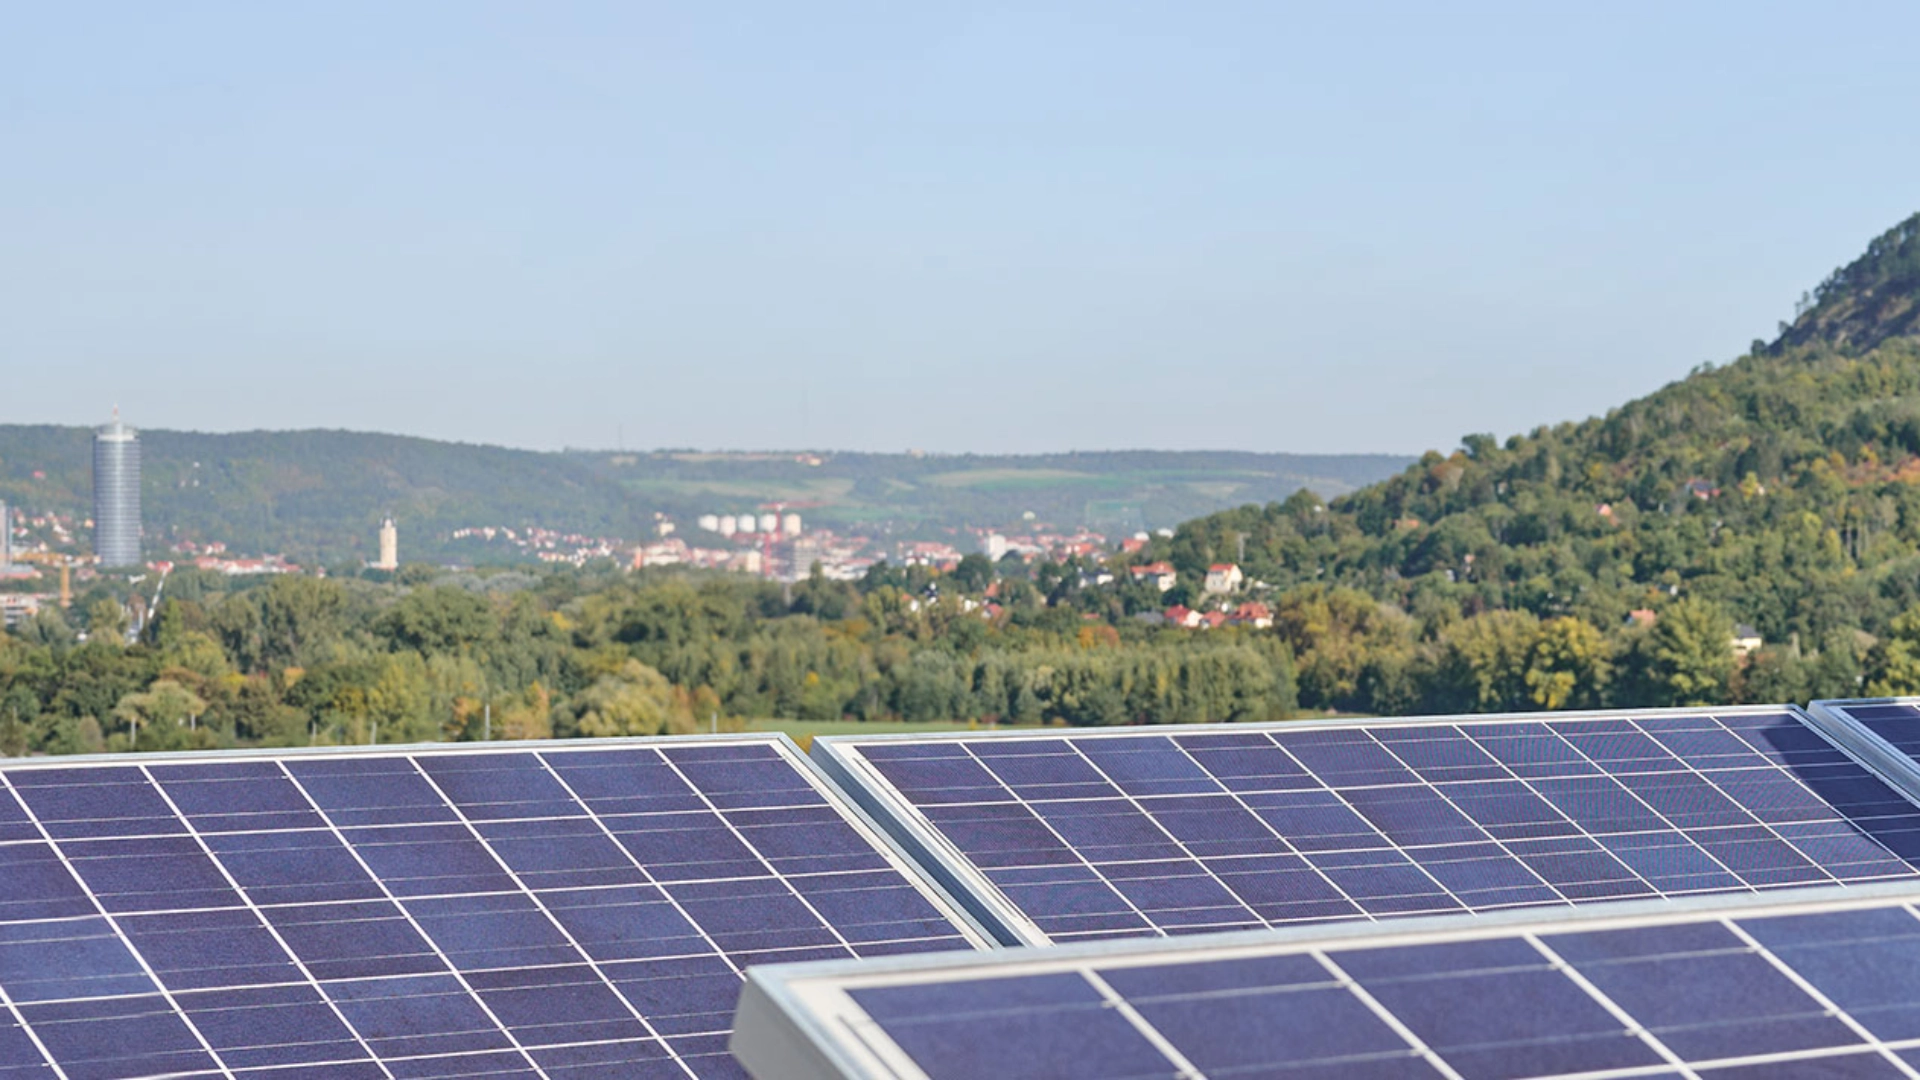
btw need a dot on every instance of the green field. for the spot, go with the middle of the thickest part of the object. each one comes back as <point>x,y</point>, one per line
<point>1005,478</point>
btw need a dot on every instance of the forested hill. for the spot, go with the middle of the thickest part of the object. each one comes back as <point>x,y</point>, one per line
<point>1875,297</point>
<point>1781,490</point>
<point>318,496</point>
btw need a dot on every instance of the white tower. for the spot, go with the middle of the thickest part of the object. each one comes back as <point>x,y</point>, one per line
<point>389,547</point>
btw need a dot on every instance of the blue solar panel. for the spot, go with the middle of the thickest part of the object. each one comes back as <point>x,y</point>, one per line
<point>1063,836</point>
<point>566,910</point>
<point>1805,986</point>
<point>1884,731</point>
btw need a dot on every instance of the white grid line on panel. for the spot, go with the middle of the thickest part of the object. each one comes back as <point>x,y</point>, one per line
<point>299,964</point>
<point>1838,815</point>
<point>1118,1002</point>
<point>1632,1023</point>
<point>1268,825</point>
<point>1441,793</point>
<point>613,839</point>
<point>1385,1015</point>
<point>764,861</point>
<point>127,943</point>
<point>1014,797</point>
<point>534,897</point>
<point>6,1002</point>
<point>1134,802</point>
<point>1757,819</point>
<point>452,969</point>
<point>1827,1003</point>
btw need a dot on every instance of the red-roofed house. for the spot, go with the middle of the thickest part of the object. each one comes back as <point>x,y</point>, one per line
<point>1223,578</point>
<point>1183,616</point>
<point>1160,574</point>
<point>1254,614</point>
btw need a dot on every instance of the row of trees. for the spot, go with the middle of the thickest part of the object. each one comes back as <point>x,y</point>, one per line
<point>432,656</point>
<point>300,660</point>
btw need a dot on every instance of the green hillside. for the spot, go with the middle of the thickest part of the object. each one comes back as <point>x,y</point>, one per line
<point>1781,490</point>
<point>924,495</point>
<point>318,496</point>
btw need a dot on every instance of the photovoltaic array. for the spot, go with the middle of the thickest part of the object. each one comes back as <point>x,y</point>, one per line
<point>1759,992</point>
<point>1098,834</point>
<point>567,911</point>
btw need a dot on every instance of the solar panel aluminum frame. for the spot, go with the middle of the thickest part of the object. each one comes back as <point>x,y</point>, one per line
<point>839,757</point>
<point>835,795</point>
<point>1834,719</point>
<point>798,1022</point>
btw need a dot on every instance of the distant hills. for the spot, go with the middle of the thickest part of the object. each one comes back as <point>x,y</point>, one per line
<point>318,496</point>
<point>930,494</point>
<point>1783,488</point>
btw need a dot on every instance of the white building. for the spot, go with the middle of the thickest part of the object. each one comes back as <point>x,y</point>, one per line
<point>745,522</point>
<point>1160,575</point>
<point>727,525</point>
<point>1223,578</point>
<point>710,522</point>
<point>996,546</point>
<point>790,526</point>
<point>770,523</point>
<point>389,547</point>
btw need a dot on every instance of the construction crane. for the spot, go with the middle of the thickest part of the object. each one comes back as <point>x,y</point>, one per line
<point>66,563</point>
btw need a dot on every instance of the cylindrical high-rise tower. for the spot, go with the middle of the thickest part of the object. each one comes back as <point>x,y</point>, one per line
<point>116,494</point>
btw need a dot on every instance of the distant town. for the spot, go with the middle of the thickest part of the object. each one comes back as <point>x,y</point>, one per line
<point>42,555</point>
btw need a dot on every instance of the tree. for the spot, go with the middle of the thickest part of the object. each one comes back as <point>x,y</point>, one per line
<point>159,717</point>
<point>1690,654</point>
<point>278,624</point>
<point>107,622</point>
<point>1568,665</point>
<point>635,700</point>
<point>1486,660</point>
<point>442,619</point>
<point>974,573</point>
<point>1893,665</point>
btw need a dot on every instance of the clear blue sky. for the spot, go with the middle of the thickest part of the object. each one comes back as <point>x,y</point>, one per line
<point>978,226</point>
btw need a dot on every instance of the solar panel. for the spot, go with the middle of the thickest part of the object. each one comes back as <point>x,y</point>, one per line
<point>1884,731</point>
<point>1058,836</point>
<point>565,910</point>
<point>1791,985</point>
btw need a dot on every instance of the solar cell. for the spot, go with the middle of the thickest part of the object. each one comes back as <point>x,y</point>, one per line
<point>1808,983</point>
<point>1062,836</point>
<point>554,909</point>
